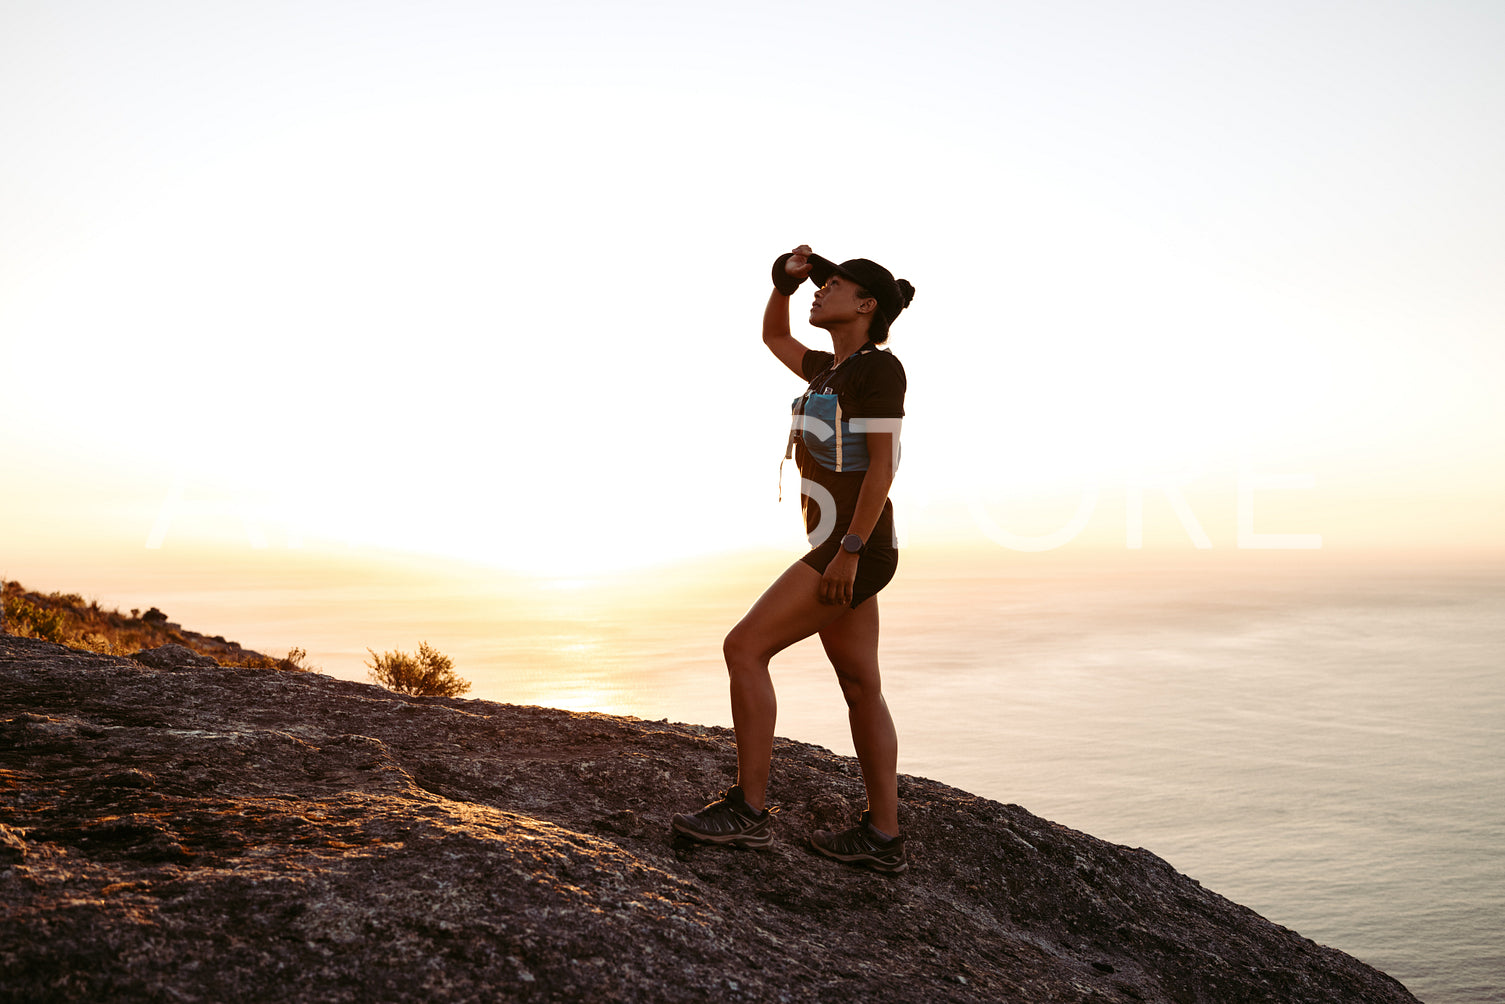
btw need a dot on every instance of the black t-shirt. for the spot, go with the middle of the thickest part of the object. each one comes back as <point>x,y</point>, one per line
<point>868,384</point>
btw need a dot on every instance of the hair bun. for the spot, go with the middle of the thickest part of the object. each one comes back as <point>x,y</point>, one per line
<point>906,291</point>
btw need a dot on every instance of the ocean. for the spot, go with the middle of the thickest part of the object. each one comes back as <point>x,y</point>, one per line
<point>1317,739</point>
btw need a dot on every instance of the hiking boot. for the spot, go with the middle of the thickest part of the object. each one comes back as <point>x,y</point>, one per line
<point>862,845</point>
<point>729,820</point>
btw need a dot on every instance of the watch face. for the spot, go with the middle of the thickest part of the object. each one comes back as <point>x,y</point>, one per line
<point>851,543</point>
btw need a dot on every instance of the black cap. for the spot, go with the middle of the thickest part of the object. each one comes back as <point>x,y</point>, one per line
<point>893,295</point>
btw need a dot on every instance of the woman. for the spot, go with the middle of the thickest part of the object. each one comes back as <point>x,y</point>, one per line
<point>845,440</point>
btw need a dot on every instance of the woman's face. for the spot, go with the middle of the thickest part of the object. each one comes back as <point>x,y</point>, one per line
<point>837,302</point>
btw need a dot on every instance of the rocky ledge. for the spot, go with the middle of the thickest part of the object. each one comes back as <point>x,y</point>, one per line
<point>175,830</point>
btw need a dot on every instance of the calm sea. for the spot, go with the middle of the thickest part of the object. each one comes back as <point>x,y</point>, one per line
<point>1319,741</point>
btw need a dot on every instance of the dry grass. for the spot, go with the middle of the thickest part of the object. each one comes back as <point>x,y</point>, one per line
<point>67,619</point>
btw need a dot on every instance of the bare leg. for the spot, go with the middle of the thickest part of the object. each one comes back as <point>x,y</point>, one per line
<point>788,611</point>
<point>851,643</point>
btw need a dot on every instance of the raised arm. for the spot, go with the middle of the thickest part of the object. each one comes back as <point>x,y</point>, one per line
<point>790,351</point>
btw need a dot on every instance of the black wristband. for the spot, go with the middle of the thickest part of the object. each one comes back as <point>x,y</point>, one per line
<point>783,281</point>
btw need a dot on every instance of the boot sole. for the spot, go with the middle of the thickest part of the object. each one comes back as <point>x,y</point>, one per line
<point>865,860</point>
<point>742,840</point>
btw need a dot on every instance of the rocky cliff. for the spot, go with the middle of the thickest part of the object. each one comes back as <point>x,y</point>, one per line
<point>174,830</point>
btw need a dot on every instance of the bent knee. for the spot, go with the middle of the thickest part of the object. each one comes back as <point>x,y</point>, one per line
<point>857,690</point>
<point>739,649</point>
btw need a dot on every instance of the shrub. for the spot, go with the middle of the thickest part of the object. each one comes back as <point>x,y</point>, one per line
<point>26,619</point>
<point>296,661</point>
<point>428,674</point>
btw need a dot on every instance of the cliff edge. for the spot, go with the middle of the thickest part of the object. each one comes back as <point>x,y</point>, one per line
<point>171,829</point>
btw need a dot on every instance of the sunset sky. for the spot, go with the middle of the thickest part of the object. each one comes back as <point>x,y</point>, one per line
<point>484,280</point>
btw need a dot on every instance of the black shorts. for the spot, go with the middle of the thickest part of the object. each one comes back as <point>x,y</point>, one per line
<point>875,566</point>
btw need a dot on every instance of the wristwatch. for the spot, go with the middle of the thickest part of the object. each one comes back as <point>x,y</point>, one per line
<point>852,544</point>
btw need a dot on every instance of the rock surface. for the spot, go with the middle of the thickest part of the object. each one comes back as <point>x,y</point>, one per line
<point>200,833</point>
<point>174,657</point>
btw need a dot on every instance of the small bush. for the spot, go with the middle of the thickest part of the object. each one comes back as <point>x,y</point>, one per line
<point>428,674</point>
<point>26,620</point>
<point>95,642</point>
<point>296,661</point>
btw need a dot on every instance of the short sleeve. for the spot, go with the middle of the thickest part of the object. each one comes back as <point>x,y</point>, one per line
<point>815,361</point>
<point>878,391</point>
